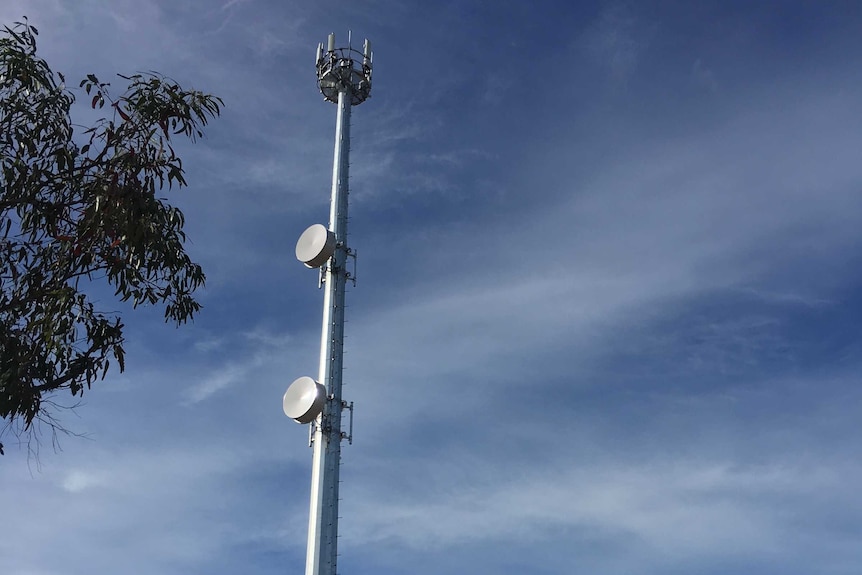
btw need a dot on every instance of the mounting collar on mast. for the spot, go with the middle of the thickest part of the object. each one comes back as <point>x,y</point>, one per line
<point>344,70</point>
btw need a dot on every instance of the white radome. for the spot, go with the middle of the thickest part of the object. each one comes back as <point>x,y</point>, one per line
<point>315,246</point>
<point>303,401</point>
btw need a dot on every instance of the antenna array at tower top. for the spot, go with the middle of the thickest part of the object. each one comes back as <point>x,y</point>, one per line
<point>344,70</point>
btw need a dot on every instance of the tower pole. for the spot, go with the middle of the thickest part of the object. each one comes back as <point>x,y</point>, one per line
<point>344,78</point>
<point>323,517</point>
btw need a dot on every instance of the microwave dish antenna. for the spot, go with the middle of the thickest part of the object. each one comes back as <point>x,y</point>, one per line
<point>315,246</point>
<point>304,399</point>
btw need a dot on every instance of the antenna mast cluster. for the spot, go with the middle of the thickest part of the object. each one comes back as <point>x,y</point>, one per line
<point>344,78</point>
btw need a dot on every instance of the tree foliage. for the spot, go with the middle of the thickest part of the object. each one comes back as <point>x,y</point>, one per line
<point>78,207</point>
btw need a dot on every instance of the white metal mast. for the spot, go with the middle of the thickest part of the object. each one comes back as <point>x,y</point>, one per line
<point>344,78</point>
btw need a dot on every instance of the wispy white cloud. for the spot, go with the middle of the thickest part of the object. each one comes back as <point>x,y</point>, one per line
<point>221,378</point>
<point>209,344</point>
<point>265,348</point>
<point>665,510</point>
<point>233,3</point>
<point>703,76</point>
<point>122,501</point>
<point>79,480</point>
<point>671,506</point>
<point>617,40</point>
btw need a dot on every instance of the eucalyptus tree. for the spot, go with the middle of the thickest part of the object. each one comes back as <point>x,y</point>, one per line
<point>80,208</point>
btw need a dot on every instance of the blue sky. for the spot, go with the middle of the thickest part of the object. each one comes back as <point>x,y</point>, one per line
<point>607,317</point>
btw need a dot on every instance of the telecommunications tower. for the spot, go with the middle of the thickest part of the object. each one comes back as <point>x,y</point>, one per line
<point>344,78</point>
